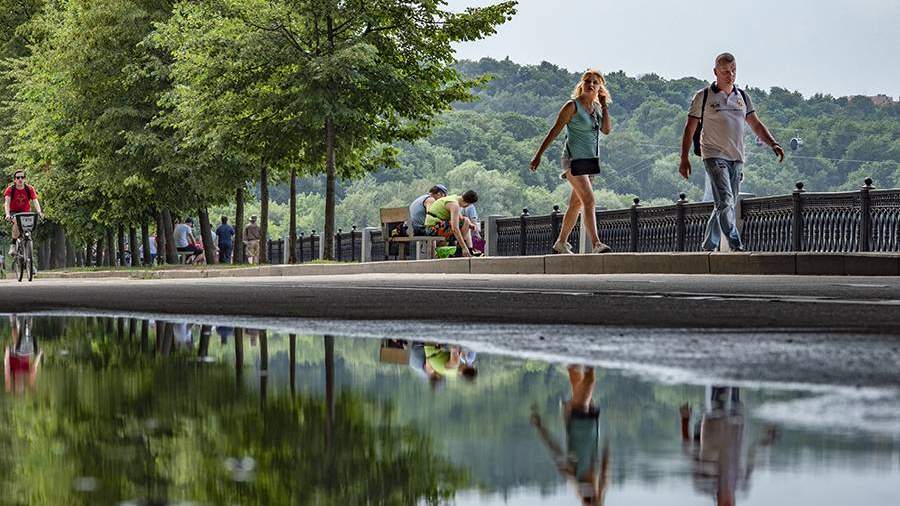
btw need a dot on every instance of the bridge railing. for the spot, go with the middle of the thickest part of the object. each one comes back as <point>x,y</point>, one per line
<point>864,220</point>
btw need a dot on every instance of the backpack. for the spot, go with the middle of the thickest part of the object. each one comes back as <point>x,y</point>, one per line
<point>703,111</point>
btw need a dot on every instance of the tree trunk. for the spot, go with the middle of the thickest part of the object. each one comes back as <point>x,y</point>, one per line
<point>161,238</point>
<point>329,390</point>
<point>328,235</point>
<point>209,249</point>
<point>58,247</point>
<point>132,246</point>
<point>44,254</point>
<point>169,230</point>
<point>238,254</point>
<point>264,214</point>
<point>100,257</point>
<point>120,244</point>
<point>292,229</point>
<point>110,248</point>
<point>145,241</point>
<point>263,364</point>
<point>71,254</point>
<point>238,355</point>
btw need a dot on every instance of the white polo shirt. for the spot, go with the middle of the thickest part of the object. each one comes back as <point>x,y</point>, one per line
<point>723,122</point>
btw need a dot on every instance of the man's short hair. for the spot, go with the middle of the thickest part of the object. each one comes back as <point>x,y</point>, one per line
<point>724,59</point>
<point>224,219</point>
<point>438,188</point>
<point>17,172</point>
<point>189,220</point>
<point>470,197</point>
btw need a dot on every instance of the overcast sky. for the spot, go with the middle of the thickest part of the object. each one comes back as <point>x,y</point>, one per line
<point>841,47</point>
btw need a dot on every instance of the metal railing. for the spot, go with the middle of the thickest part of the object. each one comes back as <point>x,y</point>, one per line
<point>863,220</point>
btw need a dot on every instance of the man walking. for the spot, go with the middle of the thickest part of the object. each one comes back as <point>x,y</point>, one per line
<point>225,233</point>
<point>252,236</point>
<point>720,112</point>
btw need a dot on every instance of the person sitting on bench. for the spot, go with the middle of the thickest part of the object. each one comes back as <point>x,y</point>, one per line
<point>446,220</point>
<point>418,208</point>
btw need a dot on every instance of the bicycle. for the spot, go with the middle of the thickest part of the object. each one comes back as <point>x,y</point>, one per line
<point>23,259</point>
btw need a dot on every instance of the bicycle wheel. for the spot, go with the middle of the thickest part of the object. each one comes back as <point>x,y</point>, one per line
<point>29,261</point>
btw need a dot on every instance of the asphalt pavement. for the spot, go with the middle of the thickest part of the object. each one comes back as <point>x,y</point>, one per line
<point>859,304</point>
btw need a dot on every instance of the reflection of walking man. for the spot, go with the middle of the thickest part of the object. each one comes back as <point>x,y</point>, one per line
<point>717,444</point>
<point>582,462</point>
<point>252,236</point>
<point>720,112</point>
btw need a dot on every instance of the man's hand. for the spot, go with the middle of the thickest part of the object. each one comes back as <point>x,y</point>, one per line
<point>779,152</point>
<point>535,163</point>
<point>466,252</point>
<point>684,168</point>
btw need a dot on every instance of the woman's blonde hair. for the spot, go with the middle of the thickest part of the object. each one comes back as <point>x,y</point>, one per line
<point>602,91</point>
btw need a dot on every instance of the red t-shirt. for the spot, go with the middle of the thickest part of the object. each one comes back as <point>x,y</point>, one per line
<point>21,201</point>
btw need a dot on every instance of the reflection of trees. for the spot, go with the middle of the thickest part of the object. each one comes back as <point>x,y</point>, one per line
<point>161,428</point>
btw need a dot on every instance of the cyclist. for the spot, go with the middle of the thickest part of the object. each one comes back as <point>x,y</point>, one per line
<point>17,199</point>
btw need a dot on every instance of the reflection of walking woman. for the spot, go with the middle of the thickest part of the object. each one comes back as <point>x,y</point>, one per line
<point>584,117</point>
<point>582,462</point>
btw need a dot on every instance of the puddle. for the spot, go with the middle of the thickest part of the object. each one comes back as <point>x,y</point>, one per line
<point>189,410</point>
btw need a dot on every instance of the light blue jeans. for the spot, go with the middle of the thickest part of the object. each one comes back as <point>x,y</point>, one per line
<point>725,182</point>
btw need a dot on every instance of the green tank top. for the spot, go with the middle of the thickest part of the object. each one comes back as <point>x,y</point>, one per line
<point>438,211</point>
<point>583,133</point>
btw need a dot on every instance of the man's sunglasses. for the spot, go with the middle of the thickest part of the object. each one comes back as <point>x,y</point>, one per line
<point>20,177</point>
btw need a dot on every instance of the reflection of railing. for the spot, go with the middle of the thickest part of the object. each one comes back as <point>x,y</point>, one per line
<point>863,220</point>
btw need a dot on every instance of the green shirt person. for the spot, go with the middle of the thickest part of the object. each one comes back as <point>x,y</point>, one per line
<point>444,219</point>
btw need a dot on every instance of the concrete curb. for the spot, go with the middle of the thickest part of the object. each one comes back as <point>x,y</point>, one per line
<point>821,264</point>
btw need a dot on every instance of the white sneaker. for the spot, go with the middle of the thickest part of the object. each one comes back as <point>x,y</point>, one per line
<point>601,248</point>
<point>563,248</point>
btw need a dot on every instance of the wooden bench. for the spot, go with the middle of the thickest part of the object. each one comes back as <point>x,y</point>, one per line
<point>390,218</point>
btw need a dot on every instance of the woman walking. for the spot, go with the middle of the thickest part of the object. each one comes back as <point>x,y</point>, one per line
<point>584,117</point>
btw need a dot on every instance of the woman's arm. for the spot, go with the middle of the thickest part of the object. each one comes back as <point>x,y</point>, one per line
<point>564,116</point>
<point>605,120</point>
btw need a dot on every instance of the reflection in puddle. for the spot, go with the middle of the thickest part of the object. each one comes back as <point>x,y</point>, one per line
<point>132,411</point>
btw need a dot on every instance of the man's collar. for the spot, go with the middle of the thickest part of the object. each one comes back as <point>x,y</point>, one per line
<point>715,88</point>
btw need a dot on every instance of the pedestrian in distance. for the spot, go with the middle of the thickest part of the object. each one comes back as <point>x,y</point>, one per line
<point>225,234</point>
<point>584,117</point>
<point>252,236</point>
<point>185,242</point>
<point>715,127</point>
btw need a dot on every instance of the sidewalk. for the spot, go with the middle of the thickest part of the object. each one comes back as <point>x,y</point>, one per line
<point>839,264</point>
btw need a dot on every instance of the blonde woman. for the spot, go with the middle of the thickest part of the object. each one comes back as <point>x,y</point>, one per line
<point>584,117</point>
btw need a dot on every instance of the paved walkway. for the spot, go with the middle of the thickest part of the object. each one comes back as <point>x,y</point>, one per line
<point>857,304</point>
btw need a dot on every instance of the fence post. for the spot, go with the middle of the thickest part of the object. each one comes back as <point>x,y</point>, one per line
<point>490,235</point>
<point>554,224</point>
<point>285,249</point>
<point>319,243</point>
<point>680,222</point>
<point>366,254</point>
<point>635,229</point>
<point>300,246</point>
<point>797,222</point>
<point>523,224</point>
<point>336,241</point>
<point>865,215</point>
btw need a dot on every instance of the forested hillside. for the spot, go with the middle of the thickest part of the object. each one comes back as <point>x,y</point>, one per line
<point>487,144</point>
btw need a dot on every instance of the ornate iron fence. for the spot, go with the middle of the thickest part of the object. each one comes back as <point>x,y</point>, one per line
<point>863,220</point>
